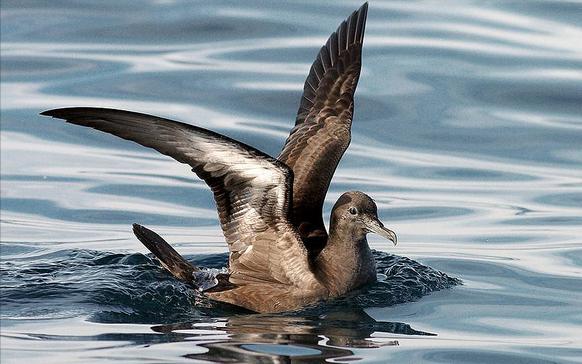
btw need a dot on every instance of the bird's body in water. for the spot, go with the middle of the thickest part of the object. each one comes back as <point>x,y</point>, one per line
<point>270,209</point>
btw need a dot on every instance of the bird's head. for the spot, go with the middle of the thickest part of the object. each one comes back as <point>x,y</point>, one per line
<point>356,214</point>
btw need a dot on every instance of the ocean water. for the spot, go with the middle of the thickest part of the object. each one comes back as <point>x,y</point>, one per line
<point>467,133</point>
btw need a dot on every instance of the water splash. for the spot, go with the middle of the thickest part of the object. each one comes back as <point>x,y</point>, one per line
<point>113,287</point>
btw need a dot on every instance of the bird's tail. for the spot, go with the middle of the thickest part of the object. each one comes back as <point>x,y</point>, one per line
<point>168,257</point>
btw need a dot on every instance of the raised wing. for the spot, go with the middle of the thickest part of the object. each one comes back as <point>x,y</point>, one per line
<point>322,130</point>
<point>252,190</point>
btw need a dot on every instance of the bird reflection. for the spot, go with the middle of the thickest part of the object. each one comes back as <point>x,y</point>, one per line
<point>303,339</point>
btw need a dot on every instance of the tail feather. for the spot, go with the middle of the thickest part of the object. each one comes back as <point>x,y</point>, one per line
<point>168,257</point>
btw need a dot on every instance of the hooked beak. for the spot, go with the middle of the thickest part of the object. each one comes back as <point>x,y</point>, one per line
<point>375,226</point>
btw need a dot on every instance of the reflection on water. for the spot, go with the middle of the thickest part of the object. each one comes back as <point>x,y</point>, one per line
<point>133,288</point>
<point>263,339</point>
<point>467,134</point>
<point>269,339</point>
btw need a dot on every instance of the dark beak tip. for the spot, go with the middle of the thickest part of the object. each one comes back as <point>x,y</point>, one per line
<point>392,237</point>
<point>377,227</point>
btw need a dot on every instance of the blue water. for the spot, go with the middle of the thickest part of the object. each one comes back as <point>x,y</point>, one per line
<point>467,133</point>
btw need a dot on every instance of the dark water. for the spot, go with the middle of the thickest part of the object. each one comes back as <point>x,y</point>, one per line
<point>467,132</point>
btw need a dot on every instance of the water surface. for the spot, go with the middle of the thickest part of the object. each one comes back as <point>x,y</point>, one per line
<point>467,133</point>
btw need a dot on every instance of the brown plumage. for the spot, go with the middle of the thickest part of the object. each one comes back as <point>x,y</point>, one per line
<point>271,222</point>
<point>322,129</point>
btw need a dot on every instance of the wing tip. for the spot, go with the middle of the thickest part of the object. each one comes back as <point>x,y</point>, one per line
<point>65,112</point>
<point>364,7</point>
<point>363,10</point>
<point>51,113</point>
<point>360,16</point>
<point>350,32</point>
<point>363,15</point>
<point>348,40</point>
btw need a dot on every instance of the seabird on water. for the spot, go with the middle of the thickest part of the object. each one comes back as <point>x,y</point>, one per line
<point>270,209</point>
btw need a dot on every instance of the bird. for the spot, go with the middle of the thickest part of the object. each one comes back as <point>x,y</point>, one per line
<point>281,257</point>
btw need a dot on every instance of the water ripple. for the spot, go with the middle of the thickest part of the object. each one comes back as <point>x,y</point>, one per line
<point>467,133</point>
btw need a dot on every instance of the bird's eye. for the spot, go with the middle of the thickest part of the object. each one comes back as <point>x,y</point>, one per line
<point>353,210</point>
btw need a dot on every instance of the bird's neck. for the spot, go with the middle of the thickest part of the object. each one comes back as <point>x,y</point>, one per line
<point>346,262</point>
